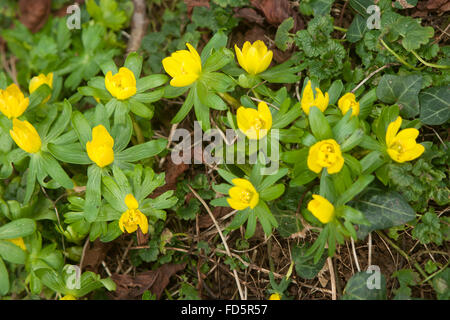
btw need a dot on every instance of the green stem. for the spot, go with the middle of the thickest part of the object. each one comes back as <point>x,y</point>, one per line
<point>399,58</point>
<point>403,253</point>
<point>339,29</point>
<point>138,131</point>
<point>230,100</point>
<point>256,94</point>
<point>434,274</point>
<point>429,64</point>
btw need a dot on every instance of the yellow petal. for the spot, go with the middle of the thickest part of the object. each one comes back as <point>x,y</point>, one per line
<point>307,98</point>
<point>236,205</point>
<point>240,58</point>
<point>183,80</point>
<point>131,202</point>
<point>243,183</point>
<point>413,153</point>
<point>143,222</point>
<point>321,208</point>
<point>392,130</point>
<point>407,134</point>
<point>265,114</point>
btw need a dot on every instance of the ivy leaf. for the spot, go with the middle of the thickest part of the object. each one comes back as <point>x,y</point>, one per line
<point>412,33</point>
<point>383,210</point>
<point>357,287</point>
<point>304,265</point>
<point>357,29</point>
<point>435,105</point>
<point>401,90</point>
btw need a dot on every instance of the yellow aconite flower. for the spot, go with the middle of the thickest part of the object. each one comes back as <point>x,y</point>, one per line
<point>242,195</point>
<point>348,101</point>
<point>12,101</point>
<point>402,146</point>
<point>255,124</point>
<point>325,154</point>
<point>68,297</point>
<point>132,218</point>
<point>39,80</point>
<point>122,85</point>
<point>18,242</point>
<point>254,58</point>
<point>321,208</point>
<point>25,136</point>
<point>183,66</point>
<point>320,101</point>
<point>100,148</point>
<point>275,296</point>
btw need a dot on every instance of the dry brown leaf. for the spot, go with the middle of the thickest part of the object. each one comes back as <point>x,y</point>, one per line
<point>34,13</point>
<point>94,255</point>
<point>130,288</point>
<point>276,11</point>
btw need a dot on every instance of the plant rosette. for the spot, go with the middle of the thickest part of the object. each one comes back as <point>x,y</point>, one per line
<point>122,90</point>
<point>101,147</point>
<point>249,196</point>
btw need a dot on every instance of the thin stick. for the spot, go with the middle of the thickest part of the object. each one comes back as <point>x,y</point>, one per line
<point>224,241</point>
<point>370,249</point>
<point>372,74</point>
<point>333,279</point>
<point>354,254</point>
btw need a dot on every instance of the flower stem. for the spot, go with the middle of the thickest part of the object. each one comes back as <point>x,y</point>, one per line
<point>399,58</point>
<point>339,29</point>
<point>404,254</point>
<point>429,64</point>
<point>138,131</point>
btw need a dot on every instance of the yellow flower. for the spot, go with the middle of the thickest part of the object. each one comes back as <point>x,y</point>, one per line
<point>321,208</point>
<point>132,218</point>
<point>348,101</point>
<point>402,146</point>
<point>325,154</point>
<point>242,195</point>
<point>19,242</point>
<point>254,58</point>
<point>25,136</point>
<point>275,296</point>
<point>100,148</point>
<point>320,101</point>
<point>122,85</point>
<point>68,297</point>
<point>12,101</point>
<point>255,124</point>
<point>183,66</point>
<point>39,80</point>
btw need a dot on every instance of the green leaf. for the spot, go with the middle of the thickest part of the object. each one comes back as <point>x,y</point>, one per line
<point>186,107</point>
<point>17,228</point>
<point>435,105</point>
<point>218,41</point>
<point>304,265</point>
<point>412,32</point>
<point>357,29</point>
<point>62,122</point>
<point>335,91</point>
<point>12,253</point>
<point>31,178</point>
<point>441,283</point>
<point>54,170</point>
<point>383,210</point>
<point>134,63</point>
<point>357,287</point>
<point>70,153</point>
<point>93,193</point>
<point>151,81</point>
<point>142,151</point>
<point>321,7</point>
<point>81,127</point>
<point>272,192</point>
<point>218,60</point>
<point>4,279</point>
<point>355,189</point>
<point>319,124</point>
<point>282,37</point>
<point>401,90</point>
<point>251,226</point>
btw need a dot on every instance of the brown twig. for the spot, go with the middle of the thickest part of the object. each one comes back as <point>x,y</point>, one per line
<point>224,241</point>
<point>139,24</point>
